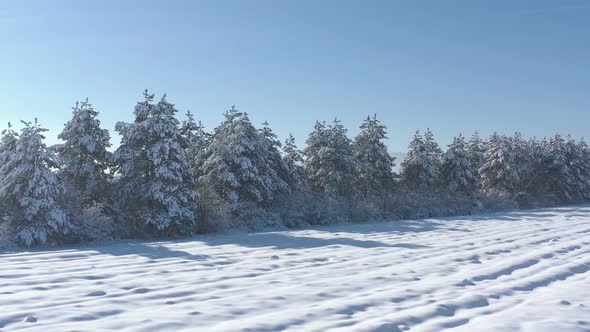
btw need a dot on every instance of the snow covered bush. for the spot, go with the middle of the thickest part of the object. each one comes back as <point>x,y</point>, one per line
<point>31,191</point>
<point>303,208</point>
<point>244,216</point>
<point>411,204</point>
<point>96,223</point>
<point>251,217</point>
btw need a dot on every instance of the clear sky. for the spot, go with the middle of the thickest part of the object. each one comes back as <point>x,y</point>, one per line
<point>453,66</point>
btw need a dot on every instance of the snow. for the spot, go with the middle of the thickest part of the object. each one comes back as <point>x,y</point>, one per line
<point>510,271</point>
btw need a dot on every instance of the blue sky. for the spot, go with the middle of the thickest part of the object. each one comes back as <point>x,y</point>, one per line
<point>453,66</point>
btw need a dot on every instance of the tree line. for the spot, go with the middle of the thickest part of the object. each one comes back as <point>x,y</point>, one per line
<point>169,178</point>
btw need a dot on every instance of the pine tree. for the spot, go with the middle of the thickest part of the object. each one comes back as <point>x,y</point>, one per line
<point>498,171</point>
<point>455,172</point>
<point>7,150</point>
<point>7,144</point>
<point>240,164</point>
<point>293,158</point>
<point>432,149</point>
<point>475,150</point>
<point>521,160</point>
<point>197,139</point>
<point>271,145</point>
<point>581,164</point>
<point>566,173</point>
<point>267,133</point>
<point>558,179</point>
<point>418,169</point>
<point>330,161</point>
<point>374,163</point>
<point>155,171</point>
<point>32,190</point>
<point>535,181</point>
<point>313,164</point>
<point>84,158</point>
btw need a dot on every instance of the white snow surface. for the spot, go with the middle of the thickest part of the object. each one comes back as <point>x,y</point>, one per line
<point>510,271</point>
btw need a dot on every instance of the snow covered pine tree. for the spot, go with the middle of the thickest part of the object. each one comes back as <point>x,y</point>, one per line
<point>374,164</point>
<point>7,150</point>
<point>579,157</point>
<point>313,164</point>
<point>84,158</point>
<point>32,191</point>
<point>418,168</point>
<point>498,172</point>
<point>455,172</point>
<point>475,151</point>
<point>277,166</point>
<point>197,139</point>
<point>293,158</point>
<point>432,149</point>
<point>7,144</point>
<point>562,170</point>
<point>155,172</point>
<point>241,165</point>
<point>330,163</point>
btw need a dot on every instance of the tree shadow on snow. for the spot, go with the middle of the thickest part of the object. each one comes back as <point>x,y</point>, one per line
<point>395,226</point>
<point>284,241</point>
<point>145,249</point>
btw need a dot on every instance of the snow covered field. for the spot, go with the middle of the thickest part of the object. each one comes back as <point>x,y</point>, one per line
<point>527,271</point>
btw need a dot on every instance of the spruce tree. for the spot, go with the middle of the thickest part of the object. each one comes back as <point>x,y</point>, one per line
<point>83,156</point>
<point>155,171</point>
<point>32,191</point>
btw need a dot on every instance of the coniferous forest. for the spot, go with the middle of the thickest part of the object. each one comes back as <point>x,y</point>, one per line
<point>171,178</point>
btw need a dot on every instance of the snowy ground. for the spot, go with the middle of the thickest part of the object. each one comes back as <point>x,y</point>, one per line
<point>527,271</point>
